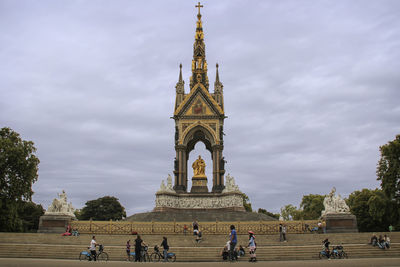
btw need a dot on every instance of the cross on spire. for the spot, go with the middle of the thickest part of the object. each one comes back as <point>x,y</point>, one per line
<point>199,6</point>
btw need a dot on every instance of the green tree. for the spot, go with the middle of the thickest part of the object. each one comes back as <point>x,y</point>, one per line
<point>18,171</point>
<point>246,203</point>
<point>264,211</point>
<point>372,209</point>
<point>103,209</point>
<point>312,206</point>
<point>290,212</point>
<point>388,172</point>
<point>30,213</point>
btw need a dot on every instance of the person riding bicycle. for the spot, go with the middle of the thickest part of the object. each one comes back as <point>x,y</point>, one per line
<point>164,244</point>
<point>92,248</point>
<point>326,247</point>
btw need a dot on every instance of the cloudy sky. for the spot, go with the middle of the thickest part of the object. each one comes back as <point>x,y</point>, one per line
<point>312,89</point>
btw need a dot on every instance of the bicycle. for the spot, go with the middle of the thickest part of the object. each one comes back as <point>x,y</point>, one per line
<point>144,255</point>
<point>156,255</point>
<point>338,253</point>
<point>100,256</point>
<point>324,254</point>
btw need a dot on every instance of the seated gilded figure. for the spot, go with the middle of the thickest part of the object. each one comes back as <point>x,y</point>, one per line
<point>199,167</point>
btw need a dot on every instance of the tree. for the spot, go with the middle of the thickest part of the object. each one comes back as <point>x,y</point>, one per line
<point>264,211</point>
<point>290,212</point>
<point>372,209</point>
<point>30,213</point>
<point>388,172</point>
<point>246,203</point>
<point>312,206</point>
<point>103,209</point>
<point>18,171</point>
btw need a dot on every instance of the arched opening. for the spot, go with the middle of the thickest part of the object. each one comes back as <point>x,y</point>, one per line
<point>200,149</point>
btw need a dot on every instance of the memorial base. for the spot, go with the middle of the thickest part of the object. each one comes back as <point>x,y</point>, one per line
<point>340,223</point>
<point>54,223</point>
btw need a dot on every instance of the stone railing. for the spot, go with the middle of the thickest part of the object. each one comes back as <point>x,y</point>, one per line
<point>123,227</point>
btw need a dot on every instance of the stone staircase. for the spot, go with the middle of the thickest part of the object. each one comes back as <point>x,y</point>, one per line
<point>298,247</point>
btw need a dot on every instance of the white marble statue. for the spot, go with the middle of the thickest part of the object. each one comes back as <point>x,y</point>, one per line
<point>60,206</point>
<point>230,185</point>
<point>166,188</point>
<point>334,204</point>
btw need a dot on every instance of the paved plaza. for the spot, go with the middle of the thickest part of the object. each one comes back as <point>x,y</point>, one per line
<point>378,262</point>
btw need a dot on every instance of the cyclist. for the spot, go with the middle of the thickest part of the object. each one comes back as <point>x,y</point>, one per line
<point>164,244</point>
<point>326,246</point>
<point>92,248</point>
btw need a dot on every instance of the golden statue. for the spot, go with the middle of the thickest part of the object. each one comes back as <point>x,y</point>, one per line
<point>199,167</point>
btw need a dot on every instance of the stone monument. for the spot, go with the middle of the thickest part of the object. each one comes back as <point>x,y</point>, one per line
<point>337,214</point>
<point>199,117</point>
<point>57,216</point>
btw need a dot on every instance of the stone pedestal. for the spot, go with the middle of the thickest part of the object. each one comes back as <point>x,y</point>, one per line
<point>340,223</point>
<point>199,184</point>
<point>54,223</point>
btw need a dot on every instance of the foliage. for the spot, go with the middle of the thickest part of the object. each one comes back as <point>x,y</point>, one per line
<point>264,211</point>
<point>372,209</point>
<point>18,171</point>
<point>246,203</point>
<point>103,209</point>
<point>312,206</point>
<point>30,213</point>
<point>388,172</point>
<point>290,212</point>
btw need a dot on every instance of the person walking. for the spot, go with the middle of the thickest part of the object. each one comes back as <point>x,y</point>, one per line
<point>252,247</point>
<point>232,242</point>
<point>128,249</point>
<point>92,248</point>
<point>164,244</point>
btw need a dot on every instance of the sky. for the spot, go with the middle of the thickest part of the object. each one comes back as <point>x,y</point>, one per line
<point>311,90</point>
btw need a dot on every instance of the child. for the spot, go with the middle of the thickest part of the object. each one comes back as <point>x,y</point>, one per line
<point>252,247</point>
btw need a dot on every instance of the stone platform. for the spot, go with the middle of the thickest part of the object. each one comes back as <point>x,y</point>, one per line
<point>199,215</point>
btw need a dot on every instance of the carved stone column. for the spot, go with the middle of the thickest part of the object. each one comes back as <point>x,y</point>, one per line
<point>180,172</point>
<point>218,169</point>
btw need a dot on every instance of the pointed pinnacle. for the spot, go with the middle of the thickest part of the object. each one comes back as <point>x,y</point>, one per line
<point>217,75</point>
<point>180,72</point>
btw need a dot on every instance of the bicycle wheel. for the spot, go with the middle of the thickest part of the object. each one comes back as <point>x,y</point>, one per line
<point>171,258</point>
<point>155,257</point>
<point>344,255</point>
<point>146,257</point>
<point>83,257</point>
<point>322,255</point>
<point>102,256</point>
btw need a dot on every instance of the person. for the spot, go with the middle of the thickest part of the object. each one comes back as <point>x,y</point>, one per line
<point>164,244</point>
<point>284,233</point>
<point>390,228</point>
<point>195,227</point>
<point>92,248</point>
<point>387,241</point>
<point>75,232</point>
<point>232,242</point>
<point>67,231</point>
<point>138,248</point>
<point>326,247</point>
<point>225,253</point>
<point>252,247</point>
<point>280,233</point>
<point>128,249</point>
<point>374,240</point>
<point>381,242</point>
<point>324,227</point>
<point>319,227</point>
<point>241,251</point>
<point>185,228</point>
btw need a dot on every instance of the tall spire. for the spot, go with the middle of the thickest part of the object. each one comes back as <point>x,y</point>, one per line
<point>218,87</point>
<point>199,63</point>
<point>180,88</point>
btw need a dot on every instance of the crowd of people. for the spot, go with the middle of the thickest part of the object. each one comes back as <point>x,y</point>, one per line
<point>383,242</point>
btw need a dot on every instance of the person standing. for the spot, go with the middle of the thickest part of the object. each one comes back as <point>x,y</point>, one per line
<point>233,242</point>
<point>92,248</point>
<point>128,249</point>
<point>252,247</point>
<point>138,248</point>
<point>284,233</point>
<point>164,244</point>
